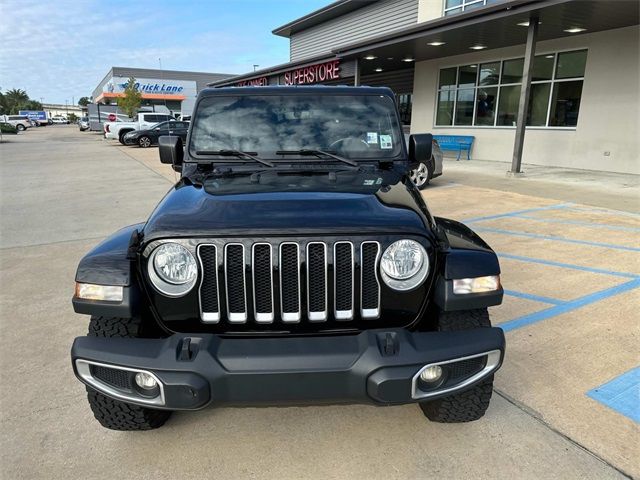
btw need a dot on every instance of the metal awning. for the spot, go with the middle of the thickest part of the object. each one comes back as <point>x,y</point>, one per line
<point>493,26</point>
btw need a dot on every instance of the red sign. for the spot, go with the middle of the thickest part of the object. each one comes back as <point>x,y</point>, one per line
<point>319,72</point>
<point>112,117</point>
<point>254,82</point>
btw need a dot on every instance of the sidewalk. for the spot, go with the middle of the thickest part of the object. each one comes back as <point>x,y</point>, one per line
<point>601,189</point>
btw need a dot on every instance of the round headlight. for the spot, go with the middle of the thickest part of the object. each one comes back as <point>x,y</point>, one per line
<point>404,265</point>
<point>172,269</point>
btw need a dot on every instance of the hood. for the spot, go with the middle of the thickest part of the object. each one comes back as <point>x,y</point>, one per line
<point>284,203</point>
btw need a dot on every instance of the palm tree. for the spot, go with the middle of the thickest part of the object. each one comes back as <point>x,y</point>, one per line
<point>14,98</point>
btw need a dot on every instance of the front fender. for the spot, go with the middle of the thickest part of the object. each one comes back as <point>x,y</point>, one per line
<point>109,263</point>
<point>465,255</point>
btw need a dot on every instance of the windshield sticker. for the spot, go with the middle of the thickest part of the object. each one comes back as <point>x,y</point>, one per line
<point>372,137</point>
<point>385,142</point>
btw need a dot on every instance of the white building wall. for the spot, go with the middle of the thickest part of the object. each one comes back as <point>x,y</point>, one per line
<point>608,121</point>
<point>430,9</point>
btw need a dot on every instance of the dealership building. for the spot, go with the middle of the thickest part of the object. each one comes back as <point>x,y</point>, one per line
<point>568,69</point>
<point>171,89</point>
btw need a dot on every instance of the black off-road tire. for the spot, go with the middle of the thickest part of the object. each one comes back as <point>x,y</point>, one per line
<point>20,127</point>
<point>471,404</point>
<point>114,414</point>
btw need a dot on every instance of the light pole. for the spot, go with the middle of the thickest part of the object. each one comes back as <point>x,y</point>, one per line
<point>255,66</point>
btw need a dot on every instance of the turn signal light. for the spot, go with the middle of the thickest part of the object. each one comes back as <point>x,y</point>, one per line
<point>91,291</point>
<point>476,285</point>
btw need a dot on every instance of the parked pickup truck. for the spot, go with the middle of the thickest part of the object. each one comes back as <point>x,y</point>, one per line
<point>143,120</point>
<point>295,262</point>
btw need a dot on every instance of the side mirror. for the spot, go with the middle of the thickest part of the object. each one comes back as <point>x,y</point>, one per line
<point>171,151</point>
<point>420,145</point>
<point>157,129</point>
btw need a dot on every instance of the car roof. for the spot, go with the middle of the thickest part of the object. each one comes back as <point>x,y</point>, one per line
<point>297,90</point>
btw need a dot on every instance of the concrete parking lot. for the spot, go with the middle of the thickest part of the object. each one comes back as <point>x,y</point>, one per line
<point>566,400</point>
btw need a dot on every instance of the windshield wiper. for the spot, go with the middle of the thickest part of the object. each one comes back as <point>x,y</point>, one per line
<point>317,153</point>
<point>235,153</point>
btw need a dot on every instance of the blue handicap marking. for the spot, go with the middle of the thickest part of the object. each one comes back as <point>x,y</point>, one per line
<point>621,394</point>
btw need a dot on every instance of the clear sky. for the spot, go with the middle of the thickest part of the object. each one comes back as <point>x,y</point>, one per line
<point>60,49</point>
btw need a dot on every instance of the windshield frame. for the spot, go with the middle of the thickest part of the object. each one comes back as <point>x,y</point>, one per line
<point>192,156</point>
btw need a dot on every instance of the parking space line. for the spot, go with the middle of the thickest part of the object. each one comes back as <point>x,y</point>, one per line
<point>518,212</point>
<point>569,306</point>
<point>621,394</point>
<point>556,239</point>
<point>576,222</point>
<point>535,298</point>
<point>601,211</point>
<point>567,265</point>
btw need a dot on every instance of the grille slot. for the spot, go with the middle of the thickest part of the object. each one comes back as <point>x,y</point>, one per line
<point>290,282</point>
<point>317,281</point>
<point>281,281</point>
<point>262,265</point>
<point>369,283</point>
<point>234,271</point>
<point>209,296</point>
<point>343,272</point>
<point>112,376</point>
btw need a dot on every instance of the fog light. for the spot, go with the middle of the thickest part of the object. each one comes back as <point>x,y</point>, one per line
<point>463,286</point>
<point>146,381</point>
<point>431,374</point>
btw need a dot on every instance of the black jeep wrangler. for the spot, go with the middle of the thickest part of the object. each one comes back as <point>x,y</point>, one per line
<point>293,263</point>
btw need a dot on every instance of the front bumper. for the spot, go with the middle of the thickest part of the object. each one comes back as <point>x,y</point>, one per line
<point>376,366</point>
<point>129,140</point>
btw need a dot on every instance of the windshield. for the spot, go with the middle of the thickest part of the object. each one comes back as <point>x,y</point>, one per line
<point>352,126</point>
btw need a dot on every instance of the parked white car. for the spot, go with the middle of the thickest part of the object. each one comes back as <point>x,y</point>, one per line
<point>142,121</point>
<point>20,122</point>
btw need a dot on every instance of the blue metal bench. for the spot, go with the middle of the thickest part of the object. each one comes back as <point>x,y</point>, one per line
<point>456,143</point>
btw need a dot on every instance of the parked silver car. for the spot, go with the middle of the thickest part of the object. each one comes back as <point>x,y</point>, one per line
<point>428,168</point>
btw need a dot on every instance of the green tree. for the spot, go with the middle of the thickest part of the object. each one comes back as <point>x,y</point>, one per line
<point>73,118</point>
<point>3,104</point>
<point>84,101</point>
<point>132,99</point>
<point>15,100</point>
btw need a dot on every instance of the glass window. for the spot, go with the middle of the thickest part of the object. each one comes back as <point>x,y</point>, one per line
<point>464,106</point>
<point>488,94</point>
<point>404,108</point>
<point>467,76</point>
<point>471,6</point>
<point>452,12</point>
<point>538,104</point>
<point>489,73</point>
<point>508,106</point>
<point>444,115</point>
<point>571,64</point>
<point>352,126</point>
<point>565,104</point>
<point>457,6</point>
<point>448,78</point>
<point>542,68</point>
<point>486,106</point>
<point>512,70</point>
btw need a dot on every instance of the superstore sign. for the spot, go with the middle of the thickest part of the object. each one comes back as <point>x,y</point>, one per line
<point>320,72</point>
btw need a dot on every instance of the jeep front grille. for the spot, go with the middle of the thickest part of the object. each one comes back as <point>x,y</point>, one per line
<point>289,282</point>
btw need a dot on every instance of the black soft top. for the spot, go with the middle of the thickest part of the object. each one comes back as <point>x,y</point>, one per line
<point>296,90</point>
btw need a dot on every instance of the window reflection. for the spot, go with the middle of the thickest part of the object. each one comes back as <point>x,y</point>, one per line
<point>360,126</point>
